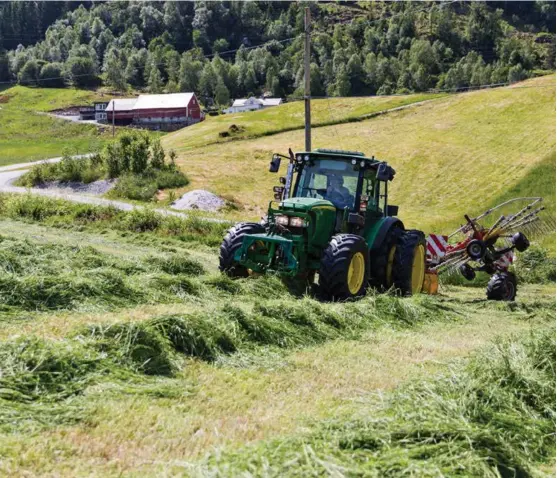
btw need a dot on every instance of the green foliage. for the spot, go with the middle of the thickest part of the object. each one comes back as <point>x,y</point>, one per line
<point>535,266</point>
<point>136,159</point>
<point>169,48</point>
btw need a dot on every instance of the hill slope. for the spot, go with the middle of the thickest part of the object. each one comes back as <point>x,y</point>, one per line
<point>453,155</point>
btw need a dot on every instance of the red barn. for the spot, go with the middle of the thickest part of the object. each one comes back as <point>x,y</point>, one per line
<point>167,112</point>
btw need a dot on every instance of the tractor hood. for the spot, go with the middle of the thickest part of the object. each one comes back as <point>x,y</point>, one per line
<point>306,204</point>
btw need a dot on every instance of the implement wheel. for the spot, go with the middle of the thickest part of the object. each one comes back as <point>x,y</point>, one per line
<point>231,243</point>
<point>502,286</point>
<point>409,263</point>
<point>344,267</point>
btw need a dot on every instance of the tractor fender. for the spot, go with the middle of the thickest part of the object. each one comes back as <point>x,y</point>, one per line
<point>376,235</point>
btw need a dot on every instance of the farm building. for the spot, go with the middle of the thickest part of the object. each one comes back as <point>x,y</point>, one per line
<point>161,112</point>
<point>252,104</point>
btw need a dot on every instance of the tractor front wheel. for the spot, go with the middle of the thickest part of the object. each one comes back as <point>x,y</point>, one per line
<point>409,263</point>
<point>344,267</point>
<point>502,286</point>
<point>231,243</point>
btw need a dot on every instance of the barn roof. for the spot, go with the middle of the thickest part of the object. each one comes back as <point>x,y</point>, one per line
<point>171,100</point>
<point>121,104</point>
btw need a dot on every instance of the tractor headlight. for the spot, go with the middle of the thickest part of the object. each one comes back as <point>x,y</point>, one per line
<point>282,220</point>
<point>297,222</point>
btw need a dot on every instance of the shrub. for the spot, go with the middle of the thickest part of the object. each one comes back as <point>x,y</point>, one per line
<point>133,187</point>
<point>141,220</point>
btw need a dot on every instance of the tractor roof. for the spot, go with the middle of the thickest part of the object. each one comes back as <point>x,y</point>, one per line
<point>339,154</point>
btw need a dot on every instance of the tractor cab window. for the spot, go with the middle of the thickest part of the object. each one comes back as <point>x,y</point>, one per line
<point>333,180</point>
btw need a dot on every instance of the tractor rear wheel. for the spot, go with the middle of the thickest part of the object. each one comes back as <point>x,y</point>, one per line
<point>231,243</point>
<point>344,267</point>
<point>409,263</point>
<point>381,262</point>
<point>502,286</point>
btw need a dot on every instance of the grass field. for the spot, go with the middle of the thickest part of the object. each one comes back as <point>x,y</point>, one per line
<point>287,117</point>
<point>123,351</point>
<point>454,155</point>
<point>138,359</point>
<point>27,134</point>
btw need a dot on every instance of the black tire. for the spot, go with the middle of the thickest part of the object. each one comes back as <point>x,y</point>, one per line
<point>409,244</point>
<point>335,265</point>
<point>520,241</point>
<point>502,286</point>
<point>231,243</point>
<point>379,260</point>
<point>467,272</point>
<point>476,249</point>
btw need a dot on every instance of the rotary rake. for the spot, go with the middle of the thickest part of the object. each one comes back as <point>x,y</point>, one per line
<point>486,244</point>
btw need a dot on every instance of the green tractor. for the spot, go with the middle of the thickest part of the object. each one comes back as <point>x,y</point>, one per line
<point>330,216</point>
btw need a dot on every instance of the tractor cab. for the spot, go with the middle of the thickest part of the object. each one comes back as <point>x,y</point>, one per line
<point>356,186</point>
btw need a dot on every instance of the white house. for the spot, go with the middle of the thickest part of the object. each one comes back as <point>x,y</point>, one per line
<point>252,104</point>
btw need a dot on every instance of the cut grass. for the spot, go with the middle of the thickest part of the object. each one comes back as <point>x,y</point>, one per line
<point>495,417</point>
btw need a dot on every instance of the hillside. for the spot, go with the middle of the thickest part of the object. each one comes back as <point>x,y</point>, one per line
<point>29,134</point>
<point>454,155</point>
<point>225,50</point>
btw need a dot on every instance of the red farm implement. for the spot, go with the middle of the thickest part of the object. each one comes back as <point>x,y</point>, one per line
<point>486,244</point>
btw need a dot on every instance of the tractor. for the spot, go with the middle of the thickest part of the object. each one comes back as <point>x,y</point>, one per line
<point>331,217</point>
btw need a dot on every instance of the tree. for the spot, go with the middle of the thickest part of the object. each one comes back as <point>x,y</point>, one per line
<point>342,83</point>
<point>51,75</point>
<point>155,80</point>
<point>81,71</point>
<point>29,74</point>
<point>5,73</point>
<point>222,95</point>
<point>190,72</point>
<point>115,68</point>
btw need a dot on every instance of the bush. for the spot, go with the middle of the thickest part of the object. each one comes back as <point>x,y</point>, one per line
<point>136,159</point>
<point>138,188</point>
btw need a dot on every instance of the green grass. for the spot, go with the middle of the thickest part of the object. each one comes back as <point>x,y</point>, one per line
<point>114,340</point>
<point>494,417</point>
<point>455,155</point>
<point>287,117</point>
<point>28,134</point>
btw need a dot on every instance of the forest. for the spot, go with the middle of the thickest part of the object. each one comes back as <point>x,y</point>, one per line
<point>225,50</point>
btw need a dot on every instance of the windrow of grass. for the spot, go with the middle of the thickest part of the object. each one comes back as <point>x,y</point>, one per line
<point>494,417</point>
<point>65,214</point>
<point>36,276</point>
<point>43,381</point>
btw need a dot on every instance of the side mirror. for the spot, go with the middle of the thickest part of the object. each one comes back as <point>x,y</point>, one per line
<point>392,210</point>
<point>385,172</point>
<point>275,164</point>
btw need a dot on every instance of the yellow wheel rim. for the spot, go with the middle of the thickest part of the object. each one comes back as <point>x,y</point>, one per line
<point>418,269</point>
<point>390,260</point>
<point>356,273</point>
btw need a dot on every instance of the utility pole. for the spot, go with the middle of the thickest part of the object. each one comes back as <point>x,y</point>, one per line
<point>113,105</point>
<point>307,91</point>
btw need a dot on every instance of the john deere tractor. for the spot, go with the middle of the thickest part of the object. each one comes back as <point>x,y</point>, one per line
<point>331,216</point>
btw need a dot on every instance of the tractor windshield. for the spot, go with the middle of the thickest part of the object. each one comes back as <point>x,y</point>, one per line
<point>333,180</point>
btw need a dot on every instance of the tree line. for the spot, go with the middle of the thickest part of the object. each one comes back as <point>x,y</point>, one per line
<point>223,50</point>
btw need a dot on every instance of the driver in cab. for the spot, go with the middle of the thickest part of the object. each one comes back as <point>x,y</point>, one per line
<point>338,194</point>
